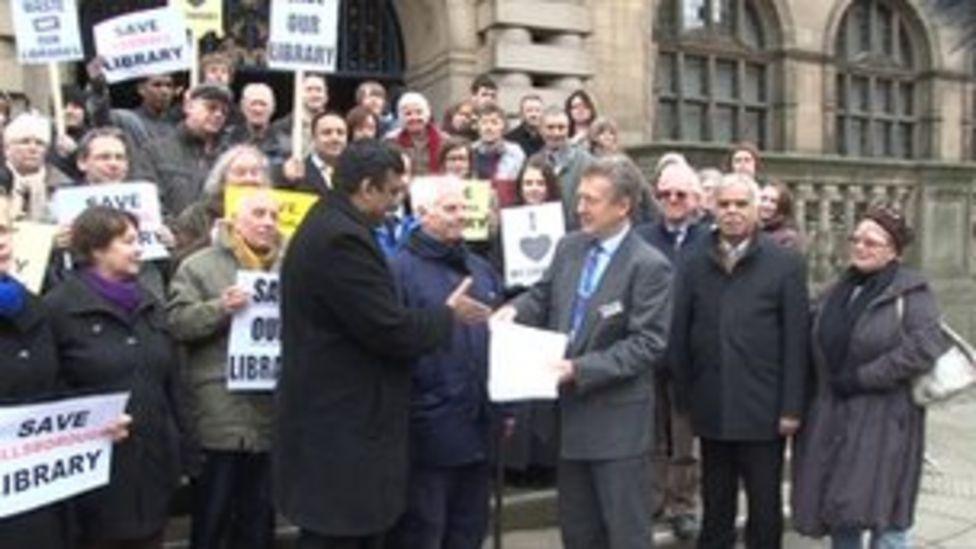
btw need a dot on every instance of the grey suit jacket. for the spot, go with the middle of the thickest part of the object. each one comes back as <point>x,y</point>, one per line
<point>607,411</point>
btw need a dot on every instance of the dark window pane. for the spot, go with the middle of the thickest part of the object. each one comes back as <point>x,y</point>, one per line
<point>755,127</point>
<point>665,80</point>
<point>884,96</point>
<point>693,122</point>
<point>907,51</point>
<point>842,92</point>
<point>908,140</point>
<point>908,99</point>
<point>752,33</point>
<point>841,133</point>
<point>724,16</point>
<point>693,80</point>
<point>898,140</point>
<point>862,20</point>
<point>665,122</point>
<point>860,94</point>
<point>859,137</point>
<point>723,124</point>
<point>882,138</point>
<point>755,83</point>
<point>725,80</point>
<point>886,33</point>
<point>694,14</point>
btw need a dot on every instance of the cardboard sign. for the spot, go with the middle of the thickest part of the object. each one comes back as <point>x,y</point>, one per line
<point>254,347</point>
<point>143,43</point>
<point>202,16</point>
<point>529,237</point>
<point>294,205</point>
<point>32,251</point>
<point>477,209</point>
<point>142,199</point>
<point>47,31</point>
<point>52,451</point>
<point>304,35</point>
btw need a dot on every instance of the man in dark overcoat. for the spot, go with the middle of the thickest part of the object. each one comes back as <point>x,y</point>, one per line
<point>340,457</point>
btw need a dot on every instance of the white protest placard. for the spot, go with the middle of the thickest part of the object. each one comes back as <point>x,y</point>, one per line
<point>143,43</point>
<point>55,450</point>
<point>254,346</point>
<point>304,35</point>
<point>141,199</point>
<point>47,31</point>
<point>529,238</point>
<point>520,362</point>
<point>32,251</point>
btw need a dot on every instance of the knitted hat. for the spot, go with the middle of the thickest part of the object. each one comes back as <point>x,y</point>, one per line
<point>889,218</point>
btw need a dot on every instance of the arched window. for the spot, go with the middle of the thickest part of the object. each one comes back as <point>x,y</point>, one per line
<point>878,60</point>
<point>714,76</point>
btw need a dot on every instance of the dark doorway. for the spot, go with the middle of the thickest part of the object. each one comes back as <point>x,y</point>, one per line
<point>370,47</point>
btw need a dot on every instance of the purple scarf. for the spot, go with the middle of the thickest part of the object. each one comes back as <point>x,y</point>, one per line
<point>124,295</point>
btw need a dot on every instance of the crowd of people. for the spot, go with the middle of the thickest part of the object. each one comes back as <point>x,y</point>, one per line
<point>695,354</point>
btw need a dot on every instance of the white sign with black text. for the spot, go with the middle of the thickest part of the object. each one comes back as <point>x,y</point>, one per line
<point>143,43</point>
<point>55,450</point>
<point>254,347</point>
<point>529,237</point>
<point>304,35</point>
<point>47,31</point>
<point>141,199</point>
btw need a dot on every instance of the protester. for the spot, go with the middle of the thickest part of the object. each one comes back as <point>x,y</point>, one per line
<point>179,163</point>
<point>315,173</point>
<point>776,216</point>
<point>611,293</point>
<point>400,222</point>
<point>710,178</point>
<point>603,137</point>
<point>372,95</point>
<point>257,107</point>
<point>155,111</point>
<point>111,335</point>
<point>63,149</point>
<point>232,494</point>
<point>566,160</point>
<point>495,159</point>
<point>32,181</point>
<point>315,97</point>
<point>340,459</point>
<point>362,123</point>
<point>581,111</point>
<point>745,158</point>
<point>418,136</point>
<point>675,459</point>
<point>537,183</point>
<point>739,345</point>
<point>450,417</point>
<point>460,120</point>
<point>239,166</point>
<point>858,460</point>
<point>217,68</point>
<point>484,91</point>
<point>455,158</point>
<point>527,133</point>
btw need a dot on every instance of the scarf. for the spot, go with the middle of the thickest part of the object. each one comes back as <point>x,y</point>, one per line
<point>454,256</point>
<point>845,305</point>
<point>29,194</point>
<point>13,296</point>
<point>248,257</point>
<point>126,294</point>
<point>433,146</point>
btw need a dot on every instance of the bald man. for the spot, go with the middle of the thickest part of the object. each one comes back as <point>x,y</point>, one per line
<point>257,107</point>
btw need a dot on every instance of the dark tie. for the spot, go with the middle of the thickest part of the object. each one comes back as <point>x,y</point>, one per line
<point>587,285</point>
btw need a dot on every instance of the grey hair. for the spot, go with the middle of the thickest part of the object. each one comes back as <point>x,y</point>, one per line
<point>740,180</point>
<point>425,192</point>
<point>416,99</point>
<point>258,87</point>
<point>625,177</point>
<point>215,182</point>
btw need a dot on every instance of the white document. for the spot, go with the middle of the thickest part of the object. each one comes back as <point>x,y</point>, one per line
<point>55,450</point>
<point>254,346</point>
<point>47,32</point>
<point>520,362</point>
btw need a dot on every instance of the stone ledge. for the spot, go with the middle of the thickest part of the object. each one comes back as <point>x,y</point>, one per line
<point>542,59</point>
<point>535,14</point>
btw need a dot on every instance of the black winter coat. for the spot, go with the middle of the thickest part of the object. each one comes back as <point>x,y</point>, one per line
<point>103,349</point>
<point>340,457</point>
<point>740,340</point>
<point>29,371</point>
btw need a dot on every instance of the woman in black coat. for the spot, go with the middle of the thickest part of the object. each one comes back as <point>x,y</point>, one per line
<point>111,336</point>
<point>28,371</point>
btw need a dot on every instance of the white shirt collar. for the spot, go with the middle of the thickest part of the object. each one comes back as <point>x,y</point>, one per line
<point>611,243</point>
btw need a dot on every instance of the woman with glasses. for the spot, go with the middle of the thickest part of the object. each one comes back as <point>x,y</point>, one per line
<point>858,460</point>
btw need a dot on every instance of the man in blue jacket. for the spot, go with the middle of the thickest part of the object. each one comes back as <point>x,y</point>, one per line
<point>448,482</point>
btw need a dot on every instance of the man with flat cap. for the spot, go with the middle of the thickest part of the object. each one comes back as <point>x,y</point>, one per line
<point>180,162</point>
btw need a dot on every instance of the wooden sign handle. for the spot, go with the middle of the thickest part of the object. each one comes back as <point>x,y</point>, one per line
<point>54,77</point>
<point>298,116</point>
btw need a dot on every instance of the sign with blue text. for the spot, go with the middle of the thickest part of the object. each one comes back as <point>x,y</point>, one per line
<point>47,31</point>
<point>254,347</point>
<point>143,43</point>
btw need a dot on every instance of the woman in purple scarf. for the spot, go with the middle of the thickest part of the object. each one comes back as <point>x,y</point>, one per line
<point>111,335</point>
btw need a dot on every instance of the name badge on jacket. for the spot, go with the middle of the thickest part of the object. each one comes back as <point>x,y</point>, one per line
<point>610,309</point>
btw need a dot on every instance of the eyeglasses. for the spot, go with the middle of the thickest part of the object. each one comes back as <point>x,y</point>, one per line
<point>870,243</point>
<point>668,195</point>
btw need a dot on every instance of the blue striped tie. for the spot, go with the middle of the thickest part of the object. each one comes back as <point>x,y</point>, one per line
<point>585,289</point>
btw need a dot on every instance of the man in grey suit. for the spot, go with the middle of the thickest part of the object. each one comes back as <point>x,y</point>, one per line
<point>611,293</point>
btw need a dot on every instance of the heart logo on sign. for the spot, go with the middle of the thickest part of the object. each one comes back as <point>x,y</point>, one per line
<point>535,247</point>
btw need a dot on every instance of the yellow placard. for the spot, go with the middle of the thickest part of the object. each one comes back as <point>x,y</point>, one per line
<point>477,209</point>
<point>203,16</point>
<point>32,250</point>
<point>294,205</point>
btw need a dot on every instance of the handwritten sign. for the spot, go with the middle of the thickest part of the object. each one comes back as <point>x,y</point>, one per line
<point>143,43</point>
<point>47,31</point>
<point>529,237</point>
<point>254,347</point>
<point>294,205</point>
<point>141,199</point>
<point>202,16</point>
<point>477,209</point>
<point>304,35</point>
<point>52,451</point>
<point>32,251</point>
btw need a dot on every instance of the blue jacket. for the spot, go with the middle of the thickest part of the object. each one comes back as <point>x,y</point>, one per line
<point>449,408</point>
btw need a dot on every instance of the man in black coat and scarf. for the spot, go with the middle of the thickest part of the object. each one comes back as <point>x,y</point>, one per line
<point>340,458</point>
